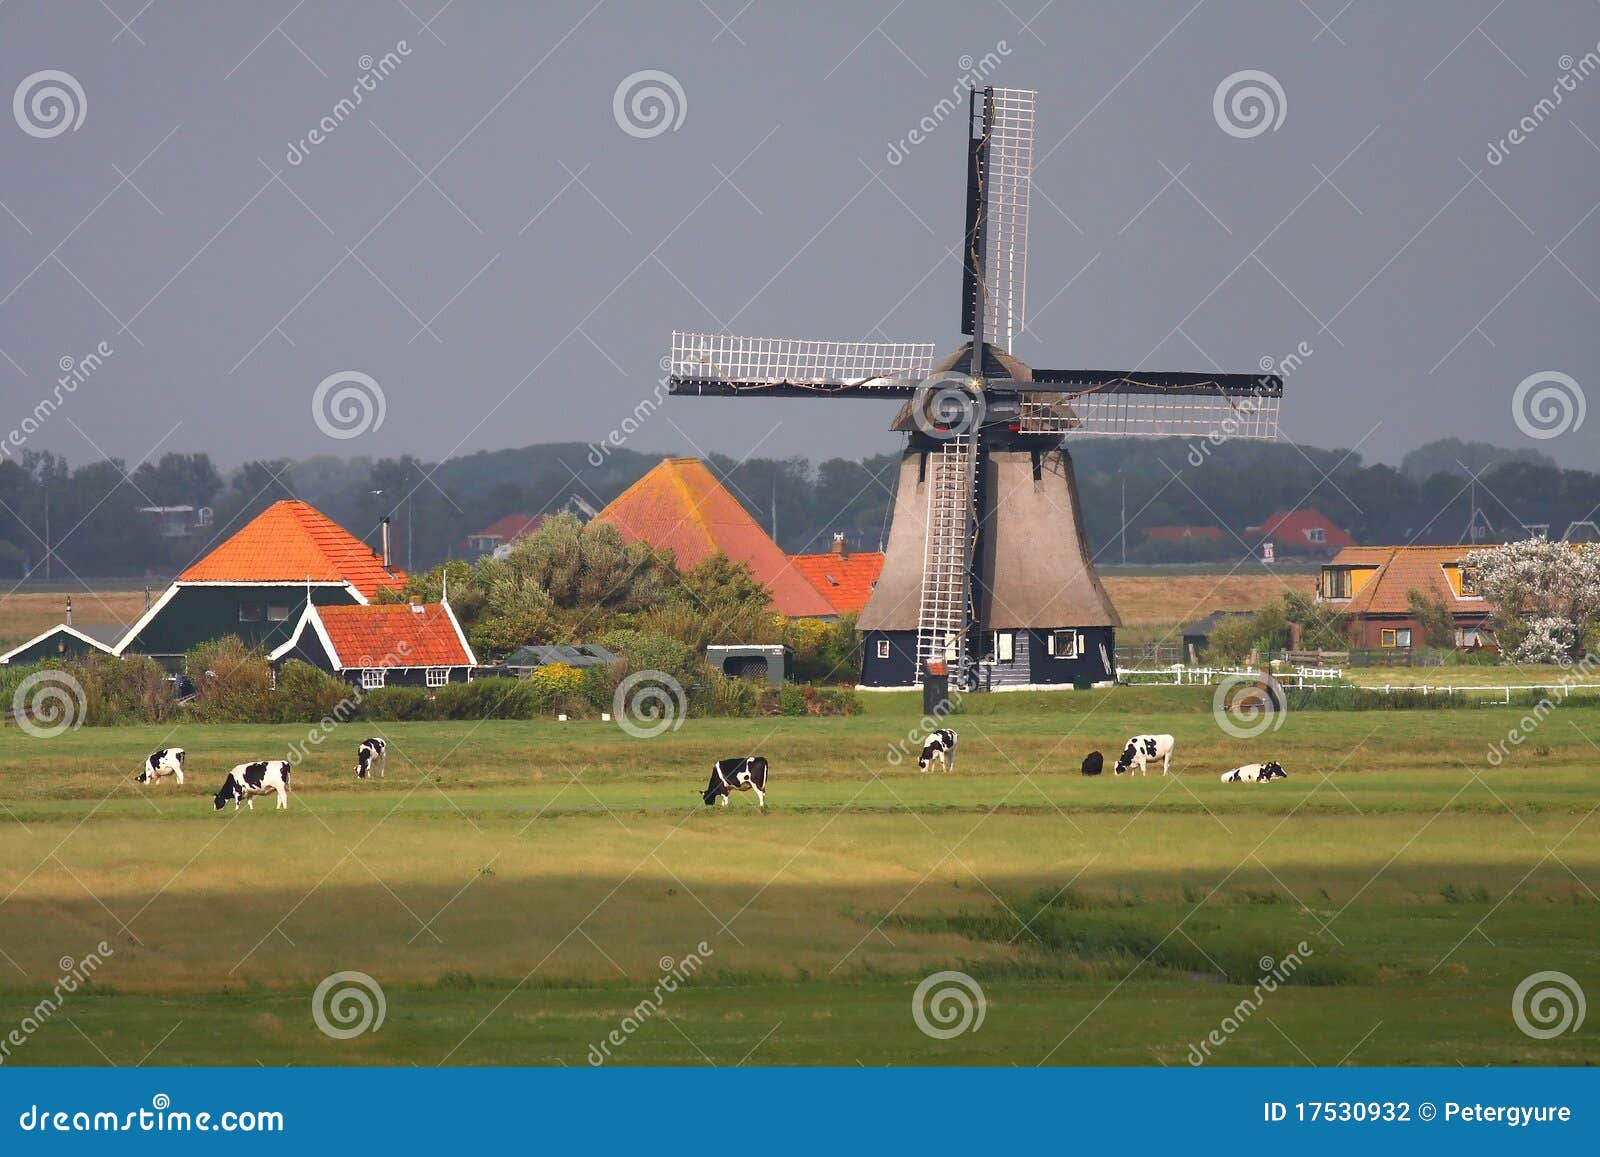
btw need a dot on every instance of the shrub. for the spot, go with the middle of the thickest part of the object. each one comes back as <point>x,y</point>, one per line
<point>596,686</point>
<point>233,683</point>
<point>495,698</point>
<point>399,704</point>
<point>307,694</point>
<point>554,681</point>
<point>791,700</point>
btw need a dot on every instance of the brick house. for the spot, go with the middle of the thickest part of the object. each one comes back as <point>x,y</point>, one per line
<point>1372,585</point>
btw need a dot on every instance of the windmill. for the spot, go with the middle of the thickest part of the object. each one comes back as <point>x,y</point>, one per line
<point>987,568</point>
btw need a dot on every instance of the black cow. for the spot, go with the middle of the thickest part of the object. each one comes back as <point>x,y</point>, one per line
<point>940,745</point>
<point>370,757</point>
<point>249,780</point>
<point>746,773</point>
<point>1093,763</point>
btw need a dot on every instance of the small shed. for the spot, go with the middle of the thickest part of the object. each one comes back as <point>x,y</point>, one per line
<point>1197,635</point>
<point>65,641</point>
<point>524,661</point>
<point>770,661</point>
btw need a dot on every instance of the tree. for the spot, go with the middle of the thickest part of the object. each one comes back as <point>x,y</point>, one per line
<point>1545,596</point>
<point>179,480</point>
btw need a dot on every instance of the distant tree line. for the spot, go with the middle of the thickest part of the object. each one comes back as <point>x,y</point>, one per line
<point>89,514</point>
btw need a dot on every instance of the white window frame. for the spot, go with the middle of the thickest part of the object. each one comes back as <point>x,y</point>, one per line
<point>372,677</point>
<point>1005,646</point>
<point>437,676</point>
<point>1071,638</point>
<point>883,648</point>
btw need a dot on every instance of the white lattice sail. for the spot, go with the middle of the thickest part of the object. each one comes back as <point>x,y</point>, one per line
<point>1009,180</point>
<point>793,361</point>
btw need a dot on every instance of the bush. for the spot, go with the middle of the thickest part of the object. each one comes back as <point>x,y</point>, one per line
<point>791,700</point>
<point>233,683</point>
<point>596,686</point>
<point>399,705</point>
<point>555,681</point>
<point>307,694</point>
<point>495,698</point>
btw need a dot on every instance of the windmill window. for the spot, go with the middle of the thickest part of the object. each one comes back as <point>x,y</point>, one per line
<point>1005,646</point>
<point>250,612</point>
<point>883,648</point>
<point>371,677</point>
<point>277,612</point>
<point>1064,644</point>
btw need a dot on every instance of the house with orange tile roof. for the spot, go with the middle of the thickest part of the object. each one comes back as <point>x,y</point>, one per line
<point>1372,585</point>
<point>845,580</point>
<point>257,583</point>
<point>1303,531</point>
<point>382,644</point>
<point>681,507</point>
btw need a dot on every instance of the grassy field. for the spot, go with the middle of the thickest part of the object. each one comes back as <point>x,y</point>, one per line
<point>1163,601</point>
<point>24,614</point>
<point>518,888</point>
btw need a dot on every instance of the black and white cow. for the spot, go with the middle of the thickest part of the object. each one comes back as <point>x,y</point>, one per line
<point>746,773</point>
<point>940,745</point>
<point>1093,763</point>
<point>1141,749</point>
<point>370,757</point>
<point>249,780</point>
<point>1255,773</point>
<point>167,761</point>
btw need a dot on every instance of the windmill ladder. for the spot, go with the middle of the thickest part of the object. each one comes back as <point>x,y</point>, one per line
<point>945,564</point>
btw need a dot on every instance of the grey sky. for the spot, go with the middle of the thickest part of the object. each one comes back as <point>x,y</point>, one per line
<point>525,291</point>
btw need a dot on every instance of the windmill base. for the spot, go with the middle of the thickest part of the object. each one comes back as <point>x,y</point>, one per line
<point>1057,659</point>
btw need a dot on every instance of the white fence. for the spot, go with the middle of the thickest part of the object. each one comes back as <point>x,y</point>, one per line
<point>1178,675</point>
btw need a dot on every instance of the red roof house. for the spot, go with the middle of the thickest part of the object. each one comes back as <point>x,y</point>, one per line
<point>293,541</point>
<point>845,580</point>
<point>681,507</point>
<point>503,532</point>
<point>1300,530</point>
<point>380,644</point>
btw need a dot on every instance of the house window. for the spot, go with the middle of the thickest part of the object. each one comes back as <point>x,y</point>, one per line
<point>1394,637</point>
<point>1335,583</point>
<point>883,648</point>
<point>1469,637</point>
<point>1064,644</point>
<point>1004,646</point>
<point>371,677</point>
<point>277,612</point>
<point>249,612</point>
<point>1469,583</point>
<point>1316,534</point>
<point>438,676</point>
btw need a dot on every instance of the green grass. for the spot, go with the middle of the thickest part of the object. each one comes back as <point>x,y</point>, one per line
<point>514,886</point>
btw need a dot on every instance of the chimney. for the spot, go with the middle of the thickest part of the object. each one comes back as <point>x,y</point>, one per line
<point>69,610</point>
<point>385,526</point>
<point>838,545</point>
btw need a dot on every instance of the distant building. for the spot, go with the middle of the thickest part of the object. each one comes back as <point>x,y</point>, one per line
<point>382,644</point>
<point>524,661</point>
<point>64,641</point>
<point>1372,585</point>
<point>844,579</point>
<point>1197,635</point>
<point>1303,531</point>
<point>681,507</point>
<point>503,532</point>
<point>1183,533</point>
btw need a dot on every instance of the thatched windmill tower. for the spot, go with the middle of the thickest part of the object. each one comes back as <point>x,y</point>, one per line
<point>987,567</point>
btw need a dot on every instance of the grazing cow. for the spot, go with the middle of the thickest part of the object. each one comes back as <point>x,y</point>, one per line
<point>1093,763</point>
<point>249,780</point>
<point>1141,749</point>
<point>746,773</point>
<point>940,745</point>
<point>370,757</point>
<point>167,761</point>
<point>1255,773</point>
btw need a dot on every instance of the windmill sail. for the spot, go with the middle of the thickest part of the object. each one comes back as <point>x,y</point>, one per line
<point>999,178</point>
<point>1153,405</point>
<point>724,364</point>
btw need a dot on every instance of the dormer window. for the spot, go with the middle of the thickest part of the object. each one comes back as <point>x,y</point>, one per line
<point>1335,582</point>
<point>1316,534</point>
<point>1469,583</point>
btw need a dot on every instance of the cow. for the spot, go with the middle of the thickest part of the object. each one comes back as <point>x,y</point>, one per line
<point>940,745</point>
<point>249,780</point>
<point>167,761</point>
<point>1255,773</point>
<point>1141,749</point>
<point>370,757</point>
<point>1093,763</point>
<point>745,773</point>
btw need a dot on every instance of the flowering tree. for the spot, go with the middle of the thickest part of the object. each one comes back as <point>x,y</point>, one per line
<point>1545,595</point>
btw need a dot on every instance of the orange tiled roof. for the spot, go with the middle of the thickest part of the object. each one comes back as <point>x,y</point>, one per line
<point>512,527</point>
<point>845,580</point>
<point>1402,569</point>
<point>292,541</point>
<point>680,506</point>
<point>394,635</point>
<point>1292,525</point>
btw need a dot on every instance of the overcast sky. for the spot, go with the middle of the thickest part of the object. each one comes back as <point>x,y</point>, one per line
<point>485,239</point>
